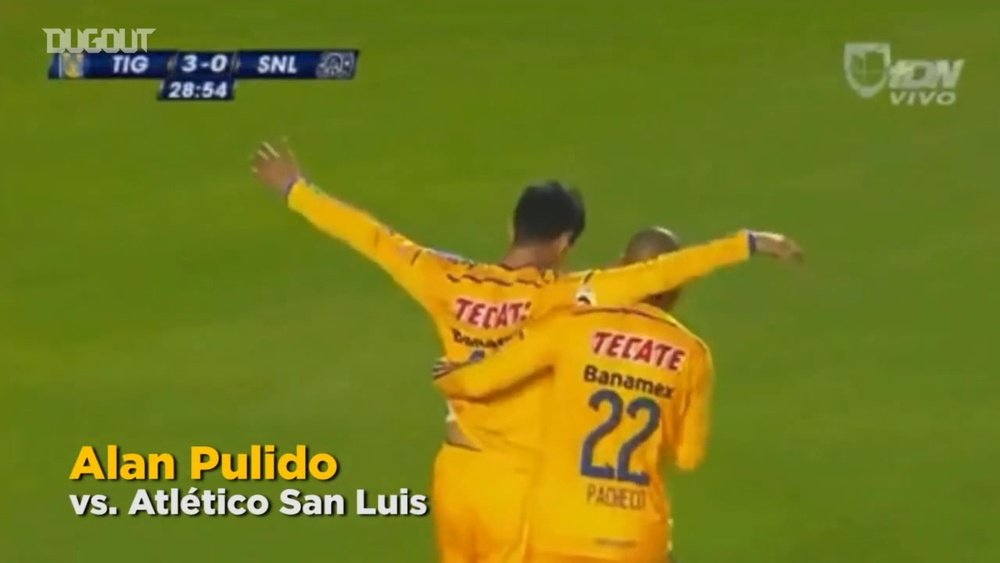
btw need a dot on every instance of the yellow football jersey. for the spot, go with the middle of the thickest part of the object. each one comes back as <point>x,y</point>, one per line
<point>625,388</point>
<point>477,307</point>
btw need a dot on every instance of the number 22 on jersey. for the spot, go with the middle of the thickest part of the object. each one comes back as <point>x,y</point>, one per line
<point>641,408</point>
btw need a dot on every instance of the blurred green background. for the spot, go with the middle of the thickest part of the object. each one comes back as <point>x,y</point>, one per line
<point>152,295</point>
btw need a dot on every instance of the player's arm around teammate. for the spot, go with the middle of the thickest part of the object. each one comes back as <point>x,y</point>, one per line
<point>518,361</point>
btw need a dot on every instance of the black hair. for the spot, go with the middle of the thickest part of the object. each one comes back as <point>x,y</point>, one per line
<point>544,212</point>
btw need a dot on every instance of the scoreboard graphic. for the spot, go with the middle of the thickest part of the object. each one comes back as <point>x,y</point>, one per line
<point>206,75</point>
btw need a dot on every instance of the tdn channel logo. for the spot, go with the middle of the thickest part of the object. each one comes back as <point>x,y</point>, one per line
<point>869,70</point>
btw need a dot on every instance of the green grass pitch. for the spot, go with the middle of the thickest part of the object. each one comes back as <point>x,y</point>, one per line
<point>152,295</point>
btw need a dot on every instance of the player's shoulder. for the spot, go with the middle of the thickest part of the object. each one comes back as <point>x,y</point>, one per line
<point>586,317</point>
<point>598,313</point>
<point>499,275</point>
<point>692,338</point>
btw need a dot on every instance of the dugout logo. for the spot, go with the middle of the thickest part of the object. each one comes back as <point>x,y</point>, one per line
<point>869,70</point>
<point>93,40</point>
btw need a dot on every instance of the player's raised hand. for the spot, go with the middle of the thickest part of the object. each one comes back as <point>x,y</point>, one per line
<point>777,245</point>
<point>276,168</point>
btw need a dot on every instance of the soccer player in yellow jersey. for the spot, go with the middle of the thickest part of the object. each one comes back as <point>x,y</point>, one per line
<point>477,307</point>
<point>625,388</point>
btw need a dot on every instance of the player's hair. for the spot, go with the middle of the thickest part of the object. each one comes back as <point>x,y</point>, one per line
<point>546,211</point>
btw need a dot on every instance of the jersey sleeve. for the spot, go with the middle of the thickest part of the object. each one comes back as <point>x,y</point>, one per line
<point>630,284</point>
<point>519,360</point>
<point>415,268</point>
<point>692,439</point>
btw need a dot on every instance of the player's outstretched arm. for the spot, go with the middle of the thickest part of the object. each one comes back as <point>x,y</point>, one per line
<point>629,284</point>
<point>518,361</point>
<point>408,263</point>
